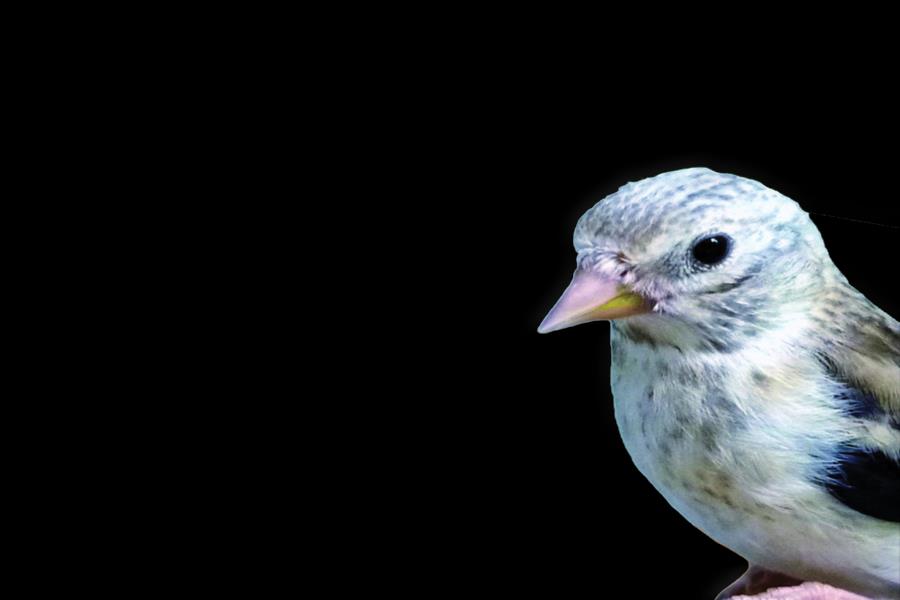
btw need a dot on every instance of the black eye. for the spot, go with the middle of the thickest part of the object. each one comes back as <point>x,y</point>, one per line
<point>711,250</point>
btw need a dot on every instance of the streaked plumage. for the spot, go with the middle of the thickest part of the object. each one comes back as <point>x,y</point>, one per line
<point>761,395</point>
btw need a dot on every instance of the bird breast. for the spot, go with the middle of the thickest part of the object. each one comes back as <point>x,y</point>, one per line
<point>726,440</point>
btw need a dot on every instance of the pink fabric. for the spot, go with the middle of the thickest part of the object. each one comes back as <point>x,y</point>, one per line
<point>806,591</point>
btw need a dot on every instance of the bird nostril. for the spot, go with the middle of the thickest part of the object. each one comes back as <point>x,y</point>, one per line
<point>623,262</point>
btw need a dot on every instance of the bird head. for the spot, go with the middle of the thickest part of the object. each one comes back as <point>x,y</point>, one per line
<point>693,258</point>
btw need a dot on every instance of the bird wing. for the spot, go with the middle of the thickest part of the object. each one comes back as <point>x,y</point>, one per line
<point>864,364</point>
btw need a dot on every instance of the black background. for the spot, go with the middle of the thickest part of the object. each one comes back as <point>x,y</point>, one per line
<point>492,457</point>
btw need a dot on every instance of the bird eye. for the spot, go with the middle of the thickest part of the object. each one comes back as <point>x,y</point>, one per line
<point>712,249</point>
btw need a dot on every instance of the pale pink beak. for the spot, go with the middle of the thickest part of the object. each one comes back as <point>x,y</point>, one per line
<point>591,297</point>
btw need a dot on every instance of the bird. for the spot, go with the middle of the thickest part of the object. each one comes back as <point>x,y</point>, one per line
<point>753,386</point>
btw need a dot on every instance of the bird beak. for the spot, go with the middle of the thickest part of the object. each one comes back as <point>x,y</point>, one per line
<point>592,297</point>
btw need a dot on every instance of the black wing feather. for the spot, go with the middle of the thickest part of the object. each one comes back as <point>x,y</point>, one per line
<point>865,478</point>
<point>868,482</point>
